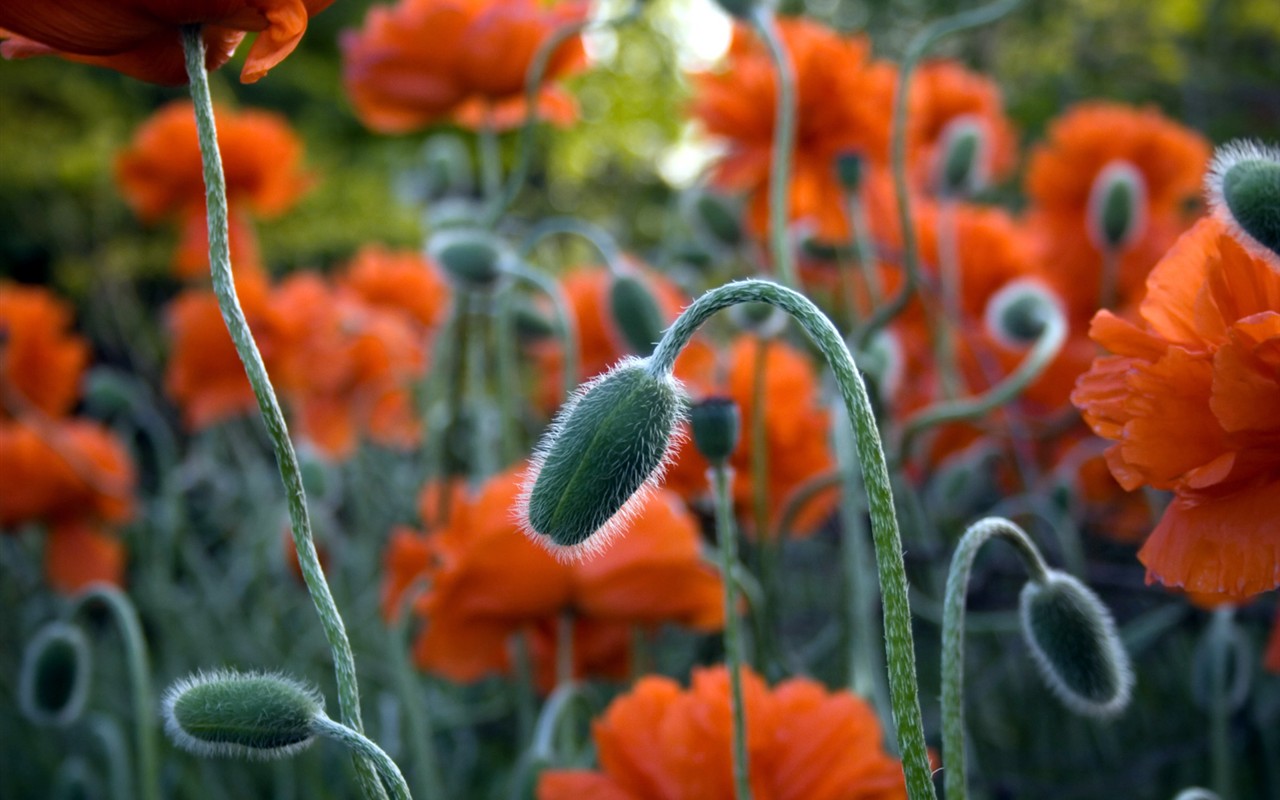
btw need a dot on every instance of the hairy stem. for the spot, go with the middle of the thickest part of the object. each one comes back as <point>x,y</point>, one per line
<point>368,751</point>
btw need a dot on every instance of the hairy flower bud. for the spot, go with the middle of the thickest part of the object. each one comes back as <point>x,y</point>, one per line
<point>1117,212</point>
<point>253,715</point>
<point>963,160</point>
<point>1017,315</point>
<point>474,259</point>
<point>716,423</point>
<point>636,313</point>
<point>1243,185</point>
<point>1074,641</point>
<point>54,678</point>
<point>608,445</point>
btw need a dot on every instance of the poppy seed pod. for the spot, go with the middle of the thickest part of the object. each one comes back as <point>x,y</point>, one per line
<point>1074,641</point>
<point>54,679</point>
<point>1243,185</point>
<point>963,161</point>
<point>636,313</point>
<point>1117,211</point>
<point>608,445</point>
<point>253,715</point>
<point>1017,315</point>
<point>716,423</point>
<point>473,258</point>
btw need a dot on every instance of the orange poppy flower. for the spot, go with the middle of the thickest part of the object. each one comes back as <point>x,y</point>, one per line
<point>160,176</point>
<point>944,92</point>
<point>41,360</point>
<point>78,554</point>
<point>659,742</point>
<point>797,429</point>
<point>142,38</point>
<point>843,103</point>
<point>472,70</point>
<point>405,281</point>
<point>489,581</point>
<point>73,469</point>
<point>204,375</point>
<point>1189,399</point>
<point>1168,159</point>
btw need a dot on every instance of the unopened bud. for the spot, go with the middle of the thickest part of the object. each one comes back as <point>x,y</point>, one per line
<point>636,313</point>
<point>1075,643</point>
<point>253,715</point>
<point>963,161</point>
<point>1244,192</point>
<point>530,324</point>
<point>716,219</point>
<point>54,678</point>
<point>473,258</point>
<point>1117,212</point>
<point>608,445</point>
<point>1017,315</point>
<point>716,422</point>
<point>849,171</point>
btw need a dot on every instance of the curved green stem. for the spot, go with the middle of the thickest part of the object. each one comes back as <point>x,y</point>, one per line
<point>721,479</point>
<point>286,459</point>
<point>532,82</point>
<point>1036,361</point>
<point>898,155</point>
<point>140,684</point>
<point>600,239</point>
<point>954,772</point>
<point>784,134</point>
<point>899,647</point>
<point>421,734</point>
<point>368,751</point>
<point>566,327</point>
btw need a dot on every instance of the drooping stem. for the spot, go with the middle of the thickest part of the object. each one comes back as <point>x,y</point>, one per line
<point>784,134</point>
<point>899,647</point>
<point>898,152</point>
<point>138,663</point>
<point>286,459</point>
<point>721,477</point>
<point>954,772</point>
<point>596,236</point>
<point>566,327</point>
<point>367,750</point>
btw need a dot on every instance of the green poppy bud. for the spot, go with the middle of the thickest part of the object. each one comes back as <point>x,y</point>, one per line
<point>54,678</point>
<point>1117,212</point>
<point>606,448</point>
<point>716,423</point>
<point>254,715</point>
<point>636,313</point>
<point>1075,644</point>
<point>850,170</point>
<point>473,258</point>
<point>963,161</point>
<point>530,323</point>
<point>716,219</point>
<point>1017,315</point>
<point>1244,191</point>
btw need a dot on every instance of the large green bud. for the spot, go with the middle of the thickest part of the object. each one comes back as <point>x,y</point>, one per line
<point>609,444</point>
<point>253,715</point>
<point>1243,185</point>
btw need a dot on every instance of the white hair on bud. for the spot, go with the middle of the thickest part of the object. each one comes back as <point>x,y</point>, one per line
<point>621,520</point>
<point>1013,291</point>
<point>1224,158</point>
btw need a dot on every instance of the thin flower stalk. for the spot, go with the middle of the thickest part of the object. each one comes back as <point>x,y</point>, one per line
<point>784,135</point>
<point>268,404</point>
<point>899,646</point>
<point>721,478</point>
<point>954,774</point>
<point>388,772</point>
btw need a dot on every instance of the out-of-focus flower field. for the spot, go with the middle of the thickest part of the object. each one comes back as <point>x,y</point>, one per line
<point>471,493</point>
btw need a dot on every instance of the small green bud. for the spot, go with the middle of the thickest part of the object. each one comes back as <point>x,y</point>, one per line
<point>762,319</point>
<point>963,161</point>
<point>1117,212</point>
<point>1074,641</point>
<point>716,422</point>
<point>253,715</point>
<point>716,220</point>
<point>1018,314</point>
<point>636,313</point>
<point>850,170</point>
<point>694,255</point>
<point>473,258</point>
<point>1244,192</point>
<point>530,324</point>
<point>54,678</point>
<point>606,448</point>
